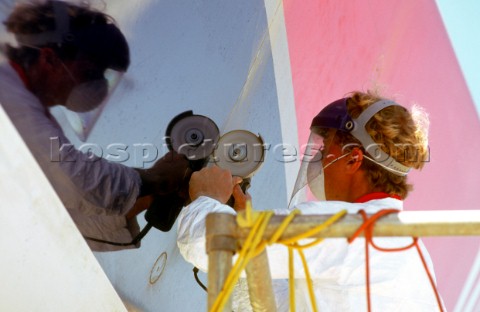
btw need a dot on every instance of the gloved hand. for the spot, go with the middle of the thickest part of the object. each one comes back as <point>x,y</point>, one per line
<point>166,176</point>
<point>166,185</point>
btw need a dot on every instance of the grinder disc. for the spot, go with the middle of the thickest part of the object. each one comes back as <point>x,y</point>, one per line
<point>194,136</point>
<point>241,152</point>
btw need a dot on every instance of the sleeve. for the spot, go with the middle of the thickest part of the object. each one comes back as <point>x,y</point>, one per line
<point>97,193</point>
<point>83,181</point>
<point>90,183</point>
<point>192,243</point>
<point>191,229</point>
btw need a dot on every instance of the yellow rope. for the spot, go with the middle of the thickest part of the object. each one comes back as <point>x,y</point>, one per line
<point>275,237</point>
<point>254,245</point>
<point>315,230</point>
<point>309,280</point>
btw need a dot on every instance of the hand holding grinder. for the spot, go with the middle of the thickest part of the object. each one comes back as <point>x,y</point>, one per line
<point>194,142</point>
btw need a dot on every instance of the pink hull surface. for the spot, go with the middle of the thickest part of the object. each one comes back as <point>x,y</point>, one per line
<point>401,47</point>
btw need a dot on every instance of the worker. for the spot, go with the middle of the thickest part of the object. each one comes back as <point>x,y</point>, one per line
<point>359,154</point>
<point>73,56</point>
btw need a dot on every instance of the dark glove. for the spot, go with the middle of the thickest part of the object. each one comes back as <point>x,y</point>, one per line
<point>166,206</point>
<point>167,183</point>
<point>166,176</point>
<point>164,210</point>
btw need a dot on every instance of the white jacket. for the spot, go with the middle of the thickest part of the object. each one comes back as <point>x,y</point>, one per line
<point>97,194</point>
<point>398,279</point>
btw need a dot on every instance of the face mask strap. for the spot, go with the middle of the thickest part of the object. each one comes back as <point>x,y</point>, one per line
<point>371,147</point>
<point>400,173</point>
<point>335,160</point>
<point>69,72</point>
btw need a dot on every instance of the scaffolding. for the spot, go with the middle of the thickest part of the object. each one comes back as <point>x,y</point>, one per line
<point>223,235</point>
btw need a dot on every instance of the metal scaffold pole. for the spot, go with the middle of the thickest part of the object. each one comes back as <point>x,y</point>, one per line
<point>259,283</point>
<point>221,245</point>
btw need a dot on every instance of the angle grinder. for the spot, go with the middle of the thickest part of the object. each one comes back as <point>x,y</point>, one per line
<point>198,138</point>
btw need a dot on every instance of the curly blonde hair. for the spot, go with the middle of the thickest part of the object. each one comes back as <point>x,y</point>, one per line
<point>402,134</point>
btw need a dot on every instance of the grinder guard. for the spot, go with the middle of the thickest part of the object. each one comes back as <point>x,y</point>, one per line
<point>241,152</point>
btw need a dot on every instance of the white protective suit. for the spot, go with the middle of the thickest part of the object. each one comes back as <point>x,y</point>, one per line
<point>398,279</point>
<point>96,193</point>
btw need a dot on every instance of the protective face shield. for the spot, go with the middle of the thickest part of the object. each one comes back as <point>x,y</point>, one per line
<point>87,100</point>
<point>318,155</point>
<point>96,55</point>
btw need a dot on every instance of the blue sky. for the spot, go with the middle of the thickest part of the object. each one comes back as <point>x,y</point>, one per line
<point>462,20</point>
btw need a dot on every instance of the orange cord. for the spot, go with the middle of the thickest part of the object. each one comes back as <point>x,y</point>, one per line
<point>367,228</point>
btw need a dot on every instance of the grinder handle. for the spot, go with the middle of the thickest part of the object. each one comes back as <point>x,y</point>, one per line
<point>244,185</point>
